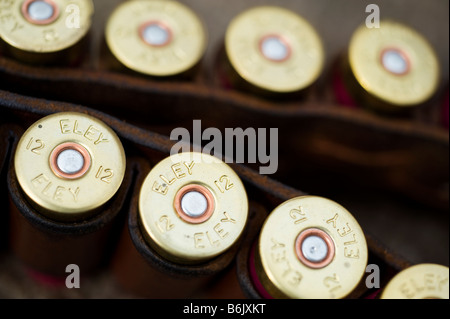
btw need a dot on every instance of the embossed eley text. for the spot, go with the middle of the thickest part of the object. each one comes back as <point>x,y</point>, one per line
<point>91,133</point>
<point>345,231</point>
<point>57,193</point>
<point>214,237</point>
<point>278,254</point>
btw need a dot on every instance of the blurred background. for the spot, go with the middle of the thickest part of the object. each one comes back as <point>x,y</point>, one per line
<point>335,20</point>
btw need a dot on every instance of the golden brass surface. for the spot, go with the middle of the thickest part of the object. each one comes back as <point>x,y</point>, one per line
<point>421,281</point>
<point>60,196</point>
<point>68,27</point>
<point>279,267</point>
<point>183,49</point>
<point>302,64</point>
<point>415,85</point>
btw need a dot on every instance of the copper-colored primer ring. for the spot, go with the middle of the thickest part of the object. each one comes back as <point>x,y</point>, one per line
<point>323,235</point>
<point>161,25</point>
<point>194,188</point>
<point>283,40</point>
<point>26,15</point>
<point>69,146</point>
<point>403,55</point>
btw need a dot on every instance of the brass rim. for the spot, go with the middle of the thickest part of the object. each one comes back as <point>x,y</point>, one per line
<point>405,89</point>
<point>70,146</point>
<point>335,276</point>
<point>194,188</point>
<point>29,34</point>
<point>325,237</point>
<point>298,70</point>
<point>160,24</point>
<point>421,281</point>
<point>174,234</point>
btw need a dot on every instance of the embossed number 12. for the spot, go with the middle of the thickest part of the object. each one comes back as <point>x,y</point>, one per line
<point>224,184</point>
<point>105,175</point>
<point>38,145</point>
